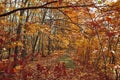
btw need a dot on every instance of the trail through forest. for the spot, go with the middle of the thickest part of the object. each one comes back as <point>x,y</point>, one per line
<point>73,70</point>
<point>59,39</point>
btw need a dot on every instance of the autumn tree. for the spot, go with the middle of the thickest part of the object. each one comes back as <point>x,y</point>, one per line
<point>86,28</point>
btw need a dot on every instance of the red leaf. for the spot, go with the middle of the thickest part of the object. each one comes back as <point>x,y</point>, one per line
<point>60,1</point>
<point>110,34</point>
<point>7,79</point>
<point>9,71</point>
<point>39,67</point>
<point>96,25</point>
<point>75,8</point>
<point>1,41</point>
<point>64,69</point>
<point>13,39</point>
<point>108,19</point>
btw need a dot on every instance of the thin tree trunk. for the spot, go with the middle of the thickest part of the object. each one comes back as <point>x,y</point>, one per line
<point>49,45</point>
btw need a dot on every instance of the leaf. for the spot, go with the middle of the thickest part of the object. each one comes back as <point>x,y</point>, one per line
<point>17,68</point>
<point>1,8</point>
<point>60,1</point>
<point>96,25</point>
<point>75,8</point>
<point>19,44</point>
<point>2,65</point>
<point>7,79</point>
<point>110,34</point>
<point>99,1</point>
<point>108,19</point>
<point>1,41</point>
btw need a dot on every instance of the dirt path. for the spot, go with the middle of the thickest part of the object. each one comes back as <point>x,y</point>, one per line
<point>75,70</point>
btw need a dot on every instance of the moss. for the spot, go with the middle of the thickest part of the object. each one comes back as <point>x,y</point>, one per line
<point>69,63</point>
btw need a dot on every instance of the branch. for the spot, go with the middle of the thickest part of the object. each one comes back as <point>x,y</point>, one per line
<point>45,7</point>
<point>26,8</point>
<point>65,14</point>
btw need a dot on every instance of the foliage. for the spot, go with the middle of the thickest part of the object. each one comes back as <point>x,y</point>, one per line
<point>88,33</point>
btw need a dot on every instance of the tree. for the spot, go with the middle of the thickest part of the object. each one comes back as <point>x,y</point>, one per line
<point>43,26</point>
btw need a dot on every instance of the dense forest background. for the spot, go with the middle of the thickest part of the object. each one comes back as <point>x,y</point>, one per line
<point>59,39</point>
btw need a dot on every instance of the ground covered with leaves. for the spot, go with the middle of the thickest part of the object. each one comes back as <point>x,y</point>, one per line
<point>57,66</point>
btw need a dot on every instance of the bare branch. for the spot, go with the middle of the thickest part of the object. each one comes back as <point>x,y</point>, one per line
<point>45,7</point>
<point>26,8</point>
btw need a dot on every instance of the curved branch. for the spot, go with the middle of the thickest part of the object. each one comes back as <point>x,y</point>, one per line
<point>44,6</point>
<point>26,8</point>
<point>65,14</point>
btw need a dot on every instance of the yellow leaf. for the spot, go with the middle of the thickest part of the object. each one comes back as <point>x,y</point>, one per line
<point>19,44</point>
<point>17,68</point>
<point>1,8</point>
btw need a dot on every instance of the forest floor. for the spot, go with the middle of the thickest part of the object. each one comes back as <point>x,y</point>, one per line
<point>53,68</point>
<point>57,66</point>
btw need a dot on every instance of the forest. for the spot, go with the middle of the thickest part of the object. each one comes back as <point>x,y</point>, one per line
<point>59,39</point>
